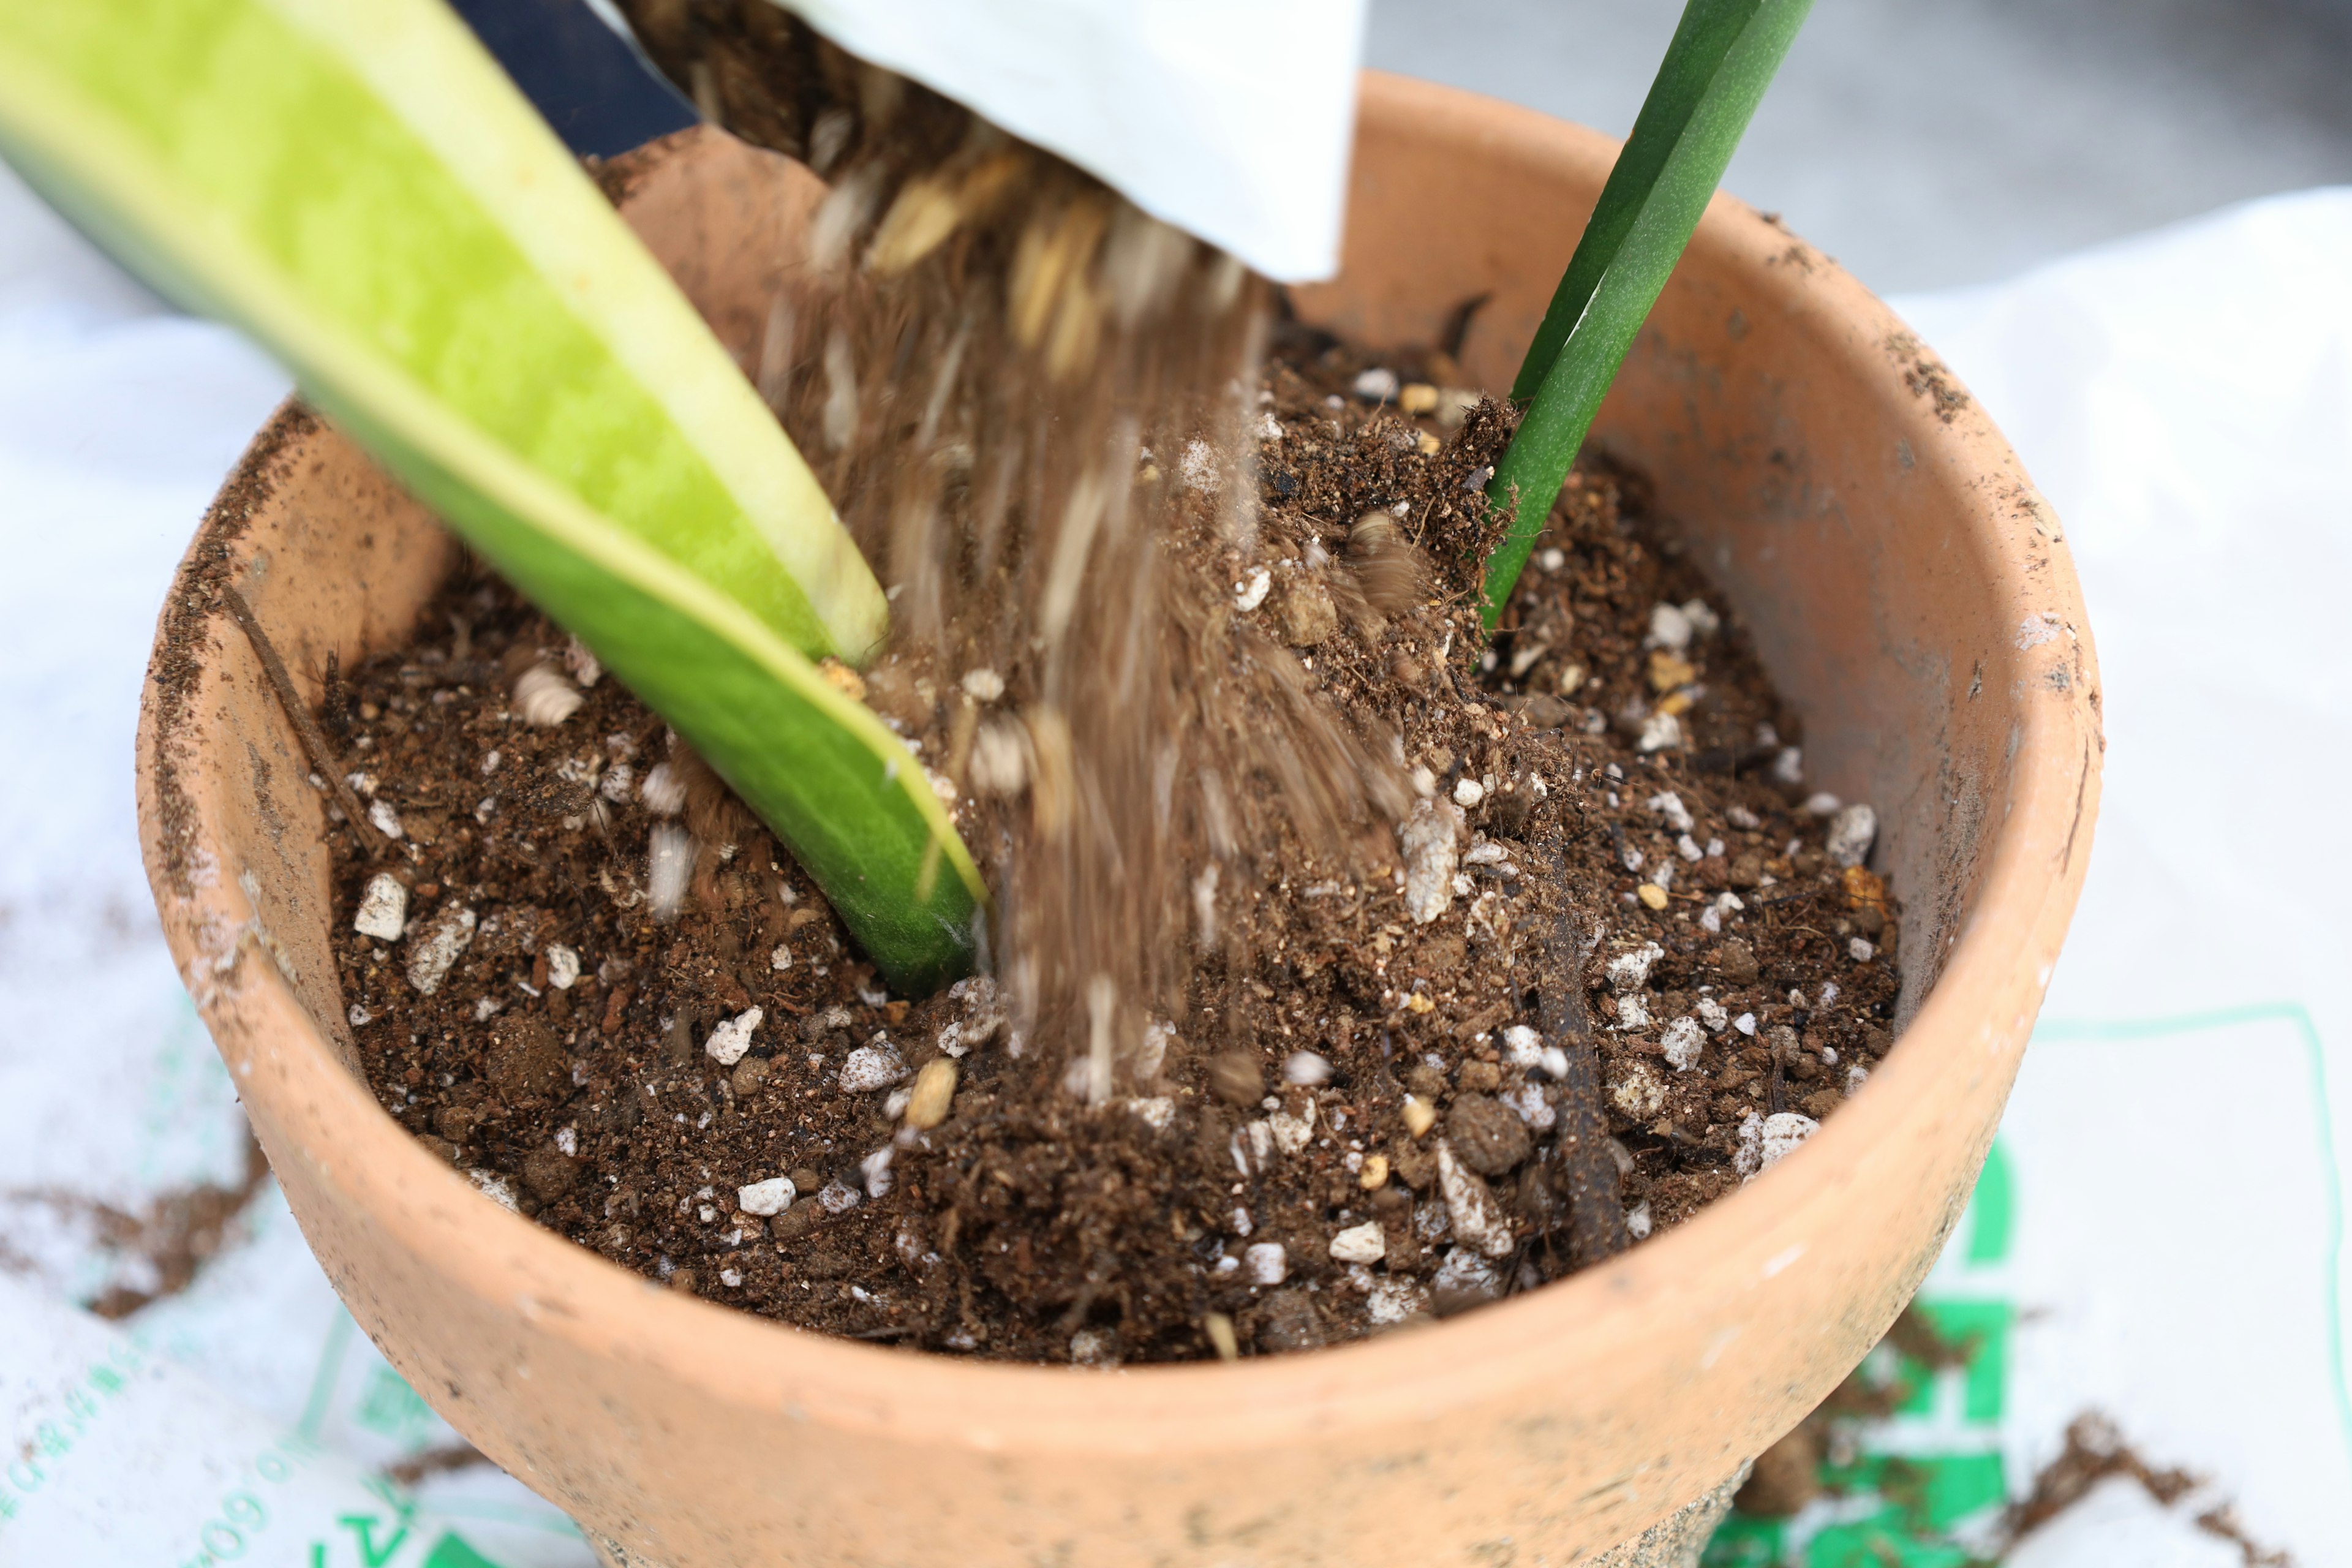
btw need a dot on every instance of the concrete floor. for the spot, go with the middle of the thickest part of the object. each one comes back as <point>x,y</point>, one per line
<point>1959,141</point>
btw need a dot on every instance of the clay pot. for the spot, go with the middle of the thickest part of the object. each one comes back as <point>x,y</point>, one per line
<point>1908,589</point>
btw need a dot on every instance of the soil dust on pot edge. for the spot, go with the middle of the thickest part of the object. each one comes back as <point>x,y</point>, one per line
<point>1611,958</point>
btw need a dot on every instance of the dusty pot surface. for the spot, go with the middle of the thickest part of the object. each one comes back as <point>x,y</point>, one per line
<point>1910,593</point>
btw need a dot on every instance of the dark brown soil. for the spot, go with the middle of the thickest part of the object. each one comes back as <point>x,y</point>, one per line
<point>1303,1100</point>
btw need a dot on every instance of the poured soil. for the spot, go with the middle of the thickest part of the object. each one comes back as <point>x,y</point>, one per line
<point>1604,956</point>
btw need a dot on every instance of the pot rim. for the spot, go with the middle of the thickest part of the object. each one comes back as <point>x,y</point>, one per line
<point>602,1310</point>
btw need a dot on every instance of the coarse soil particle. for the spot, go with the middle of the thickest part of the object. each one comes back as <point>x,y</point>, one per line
<point>1029,1224</point>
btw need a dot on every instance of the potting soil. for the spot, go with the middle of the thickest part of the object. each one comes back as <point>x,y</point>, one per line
<point>1599,963</point>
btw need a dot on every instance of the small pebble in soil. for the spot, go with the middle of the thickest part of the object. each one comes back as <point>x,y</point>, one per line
<point>1360,1244</point>
<point>1378,384</point>
<point>384,909</point>
<point>562,966</point>
<point>1419,1115</point>
<point>386,820</point>
<point>933,1093</point>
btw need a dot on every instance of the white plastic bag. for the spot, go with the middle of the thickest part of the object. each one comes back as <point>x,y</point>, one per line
<point>1230,118</point>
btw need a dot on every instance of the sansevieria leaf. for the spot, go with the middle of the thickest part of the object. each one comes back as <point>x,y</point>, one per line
<point>356,184</point>
<point>1723,56</point>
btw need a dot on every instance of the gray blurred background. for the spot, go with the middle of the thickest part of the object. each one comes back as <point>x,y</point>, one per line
<point>1928,142</point>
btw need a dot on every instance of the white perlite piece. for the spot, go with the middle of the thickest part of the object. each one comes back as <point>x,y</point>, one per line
<point>1669,804</point>
<point>1532,1108</point>
<point>1464,1273</point>
<point>1704,621</point>
<point>1630,971</point>
<point>781,959</point>
<point>1427,841</point>
<point>386,820</point>
<point>1478,1219</point>
<point>732,1037</point>
<point>562,966</point>
<point>1714,1015</point>
<point>1660,732</point>
<point>1637,1221</point>
<point>431,956</point>
<point>542,696</point>
<point>1522,1045</point>
<point>1682,1042</point>
<point>1766,1140</point>
<point>1304,1069</point>
<point>1268,1262</point>
<point>1468,791</point>
<point>663,792</point>
<point>1377,384</point>
<point>669,860</point>
<point>772,1197</point>
<point>838,1196</point>
<point>384,909</point>
<point>1670,627</point>
<point>1360,1244</point>
<point>1639,1092</point>
<point>1821,802</point>
<point>982,685</point>
<point>1155,1111</point>
<point>1198,469</point>
<point>869,1068</point>
<point>1252,590</point>
<point>876,1169</point>
<point>495,1187</point>
<point>1860,950</point>
<point>1393,1300</point>
<point>1291,1133</point>
<point>1850,834</point>
<point>999,759</point>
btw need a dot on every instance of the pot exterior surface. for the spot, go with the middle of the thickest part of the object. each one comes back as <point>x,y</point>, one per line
<point>1907,587</point>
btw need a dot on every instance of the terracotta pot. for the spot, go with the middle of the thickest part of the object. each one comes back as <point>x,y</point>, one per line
<point>1910,591</point>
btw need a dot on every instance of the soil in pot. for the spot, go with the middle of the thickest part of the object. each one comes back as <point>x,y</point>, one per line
<point>1604,960</point>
